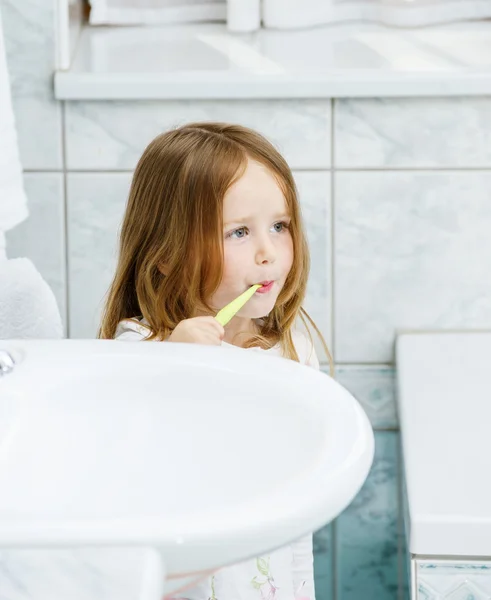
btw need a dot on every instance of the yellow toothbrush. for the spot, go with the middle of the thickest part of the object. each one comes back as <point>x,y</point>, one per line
<point>228,312</point>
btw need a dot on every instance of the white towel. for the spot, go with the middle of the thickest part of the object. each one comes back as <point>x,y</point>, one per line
<point>28,307</point>
<point>13,202</point>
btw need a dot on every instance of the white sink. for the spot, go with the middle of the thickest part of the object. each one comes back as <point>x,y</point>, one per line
<point>205,455</point>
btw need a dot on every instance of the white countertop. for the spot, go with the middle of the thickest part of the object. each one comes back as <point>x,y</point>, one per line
<point>445,413</point>
<point>205,61</point>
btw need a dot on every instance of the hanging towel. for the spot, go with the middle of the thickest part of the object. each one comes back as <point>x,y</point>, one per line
<point>28,308</point>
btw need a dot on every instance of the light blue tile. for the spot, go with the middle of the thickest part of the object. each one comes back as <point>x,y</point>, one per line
<point>374,388</point>
<point>366,540</point>
<point>324,582</point>
<point>41,237</point>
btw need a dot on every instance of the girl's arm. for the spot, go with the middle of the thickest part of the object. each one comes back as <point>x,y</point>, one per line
<point>303,569</point>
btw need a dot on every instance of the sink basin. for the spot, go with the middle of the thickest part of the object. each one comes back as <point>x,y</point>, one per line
<point>205,455</point>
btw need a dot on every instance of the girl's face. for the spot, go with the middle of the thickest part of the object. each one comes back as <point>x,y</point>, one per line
<point>258,246</point>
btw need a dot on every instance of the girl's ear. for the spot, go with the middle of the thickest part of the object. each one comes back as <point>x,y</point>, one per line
<point>163,269</point>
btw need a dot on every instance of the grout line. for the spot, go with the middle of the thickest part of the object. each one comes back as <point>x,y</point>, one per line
<point>433,169</point>
<point>452,558</point>
<point>334,561</point>
<point>43,171</point>
<point>65,214</point>
<point>400,526</point>
<point>332,169</point>
<point>390,429</point>
<point>342,363</point>
<point>95,170</point>
<point>333,233</point>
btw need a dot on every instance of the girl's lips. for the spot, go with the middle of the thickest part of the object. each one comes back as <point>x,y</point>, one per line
<point>266,287</point>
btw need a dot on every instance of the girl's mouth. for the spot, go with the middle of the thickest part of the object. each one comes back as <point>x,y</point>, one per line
<point>266,286</point>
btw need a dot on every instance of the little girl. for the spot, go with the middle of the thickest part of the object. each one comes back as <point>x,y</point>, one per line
<point>213,210</point>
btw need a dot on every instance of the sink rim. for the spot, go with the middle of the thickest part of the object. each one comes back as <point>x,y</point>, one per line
<point>187,542</point>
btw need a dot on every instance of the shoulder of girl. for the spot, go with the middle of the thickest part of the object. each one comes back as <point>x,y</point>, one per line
<point>131,330</point>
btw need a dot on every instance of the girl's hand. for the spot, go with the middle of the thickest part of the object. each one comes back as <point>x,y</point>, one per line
<point>199,330</point>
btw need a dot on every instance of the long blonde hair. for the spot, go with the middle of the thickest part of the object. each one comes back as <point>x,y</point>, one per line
<point>174,224</point>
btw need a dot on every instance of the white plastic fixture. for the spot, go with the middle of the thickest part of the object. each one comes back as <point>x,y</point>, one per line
<point>206,456</point>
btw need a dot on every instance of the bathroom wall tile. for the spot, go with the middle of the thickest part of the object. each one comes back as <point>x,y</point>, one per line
<point>453,579</point>
<point>413,132</point>
<point>41,237</point>
<point>366,540</point>
<point>315,197</point>
<point>95,205</point>
<point>95,209</point>
<point>324,581</point>
<point>112,135</point>
<point>374,388</point>
<point>29,38</point>
<point>413,251</point>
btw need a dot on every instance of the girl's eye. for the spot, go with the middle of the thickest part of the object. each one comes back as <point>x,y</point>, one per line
<point>279,227</point>
<point>238,233</point>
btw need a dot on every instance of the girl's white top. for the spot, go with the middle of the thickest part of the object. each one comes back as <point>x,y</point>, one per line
<point>285,574</point>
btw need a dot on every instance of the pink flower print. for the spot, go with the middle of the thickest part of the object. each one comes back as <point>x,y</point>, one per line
<point>265,584</point>
<point>300,588</point>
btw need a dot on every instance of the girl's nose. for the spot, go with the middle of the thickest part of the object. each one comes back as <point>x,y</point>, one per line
<point>266,252</point>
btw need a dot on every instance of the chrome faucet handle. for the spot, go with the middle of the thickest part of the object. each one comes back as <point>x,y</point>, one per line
<point>7,362</point>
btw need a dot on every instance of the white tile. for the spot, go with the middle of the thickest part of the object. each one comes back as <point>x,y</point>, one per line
<point>412,251</point>
<point>29,38</point>
<point>315,196</point>
<point>96,203</point>
<point>416,132</point>
<point>41,237</point>
<point>113,135</point>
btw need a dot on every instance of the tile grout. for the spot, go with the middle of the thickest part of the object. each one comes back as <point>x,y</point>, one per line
<point>323,169</point>
<point>334,561</point>
<point>334,532</point>
<point>421,169</point>
<point>333,233</point>
<point>400,525</point>
<point>359,364</point>
<point>65,215</point>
